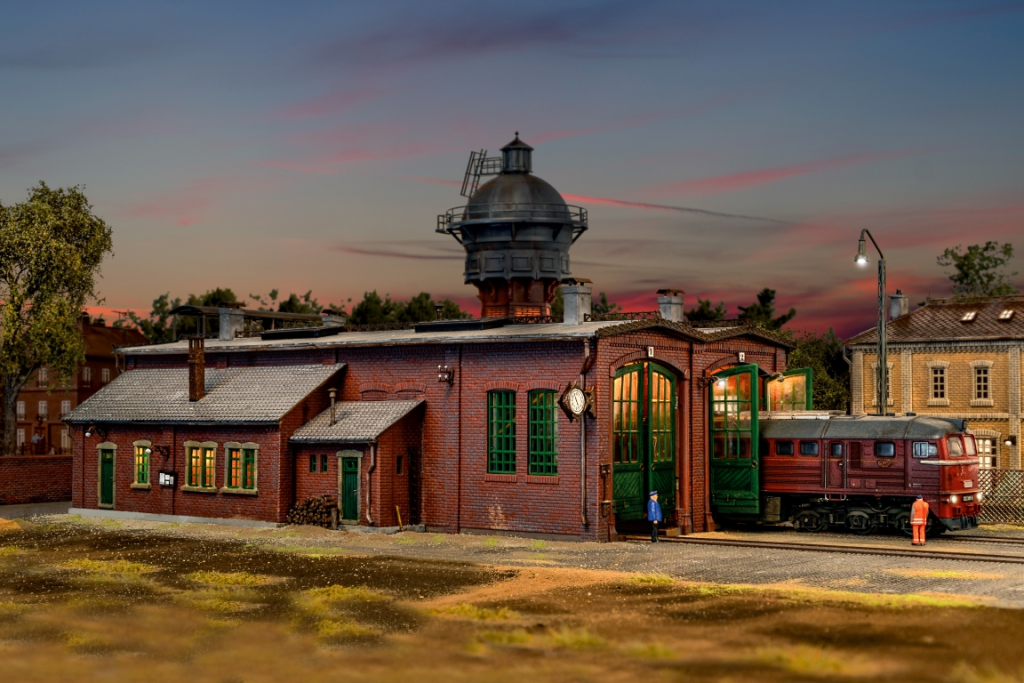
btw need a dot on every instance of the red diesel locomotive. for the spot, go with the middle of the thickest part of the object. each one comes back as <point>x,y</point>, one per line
<point>863,473</point>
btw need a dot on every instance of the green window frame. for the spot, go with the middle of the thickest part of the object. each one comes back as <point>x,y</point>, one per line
<point>543,460</point>
<point>323,463</point>
<point>240,473</point>
<point>312,463</point>
<point>248,469</point>
<point>234,468</point>
<point>141,465</point>
<point>501,432</point>
<point>202,466</point>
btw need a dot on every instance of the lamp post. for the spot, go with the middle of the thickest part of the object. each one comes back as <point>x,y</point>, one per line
<point>882,376</point>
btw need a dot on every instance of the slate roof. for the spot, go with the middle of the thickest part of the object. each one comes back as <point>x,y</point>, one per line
<point>942,320</point>
<point>356,422</point>
<point>239,395</point>
<point>541,332</point>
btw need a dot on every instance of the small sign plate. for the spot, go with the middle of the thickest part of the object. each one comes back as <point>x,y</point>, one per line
<point>168,479</point>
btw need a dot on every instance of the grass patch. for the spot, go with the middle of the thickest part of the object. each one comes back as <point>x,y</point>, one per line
<point>86,643</point>
<point>230,579</point>
<point>306,550</point>
<point>653,650</point>
<point>824,596</point>
<point>466,610</point>
<point>804,660</point>
<point>12,610</point>
<point>944,574</point>
<point>518,637</point>
<point>538,545</point>
<point>123,567</point>
<point>652,579</point>
<point>215,602</point>
<point>577,639</point>
<point>965,673</point>
<point>334,631</point>
<point>491,543</point>
<point>10,550</point>
<point>437,538</point>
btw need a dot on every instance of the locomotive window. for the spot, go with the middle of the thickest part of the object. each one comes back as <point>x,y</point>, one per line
<point>925,449</point>
<point>783,448</point>
<point>884,449</point>
<point>837,450</point>
<point>969,443</point>
<point>954,446</point>
<point>809,448</point>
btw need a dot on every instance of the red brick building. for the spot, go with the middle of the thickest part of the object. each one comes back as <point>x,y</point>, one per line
<point>513,422</point>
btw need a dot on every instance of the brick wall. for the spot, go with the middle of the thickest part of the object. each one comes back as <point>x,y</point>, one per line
<point>35,479</point>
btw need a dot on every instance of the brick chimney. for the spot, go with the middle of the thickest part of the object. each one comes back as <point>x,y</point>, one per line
<point>899,305</point>
<point>196,368</point>
<point>576,300</point>
<point>670,305</point>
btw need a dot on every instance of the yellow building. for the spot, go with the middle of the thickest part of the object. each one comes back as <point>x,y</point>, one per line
<point>955,358</point>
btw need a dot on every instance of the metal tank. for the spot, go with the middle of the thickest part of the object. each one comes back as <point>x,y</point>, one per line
<point>516,230</point>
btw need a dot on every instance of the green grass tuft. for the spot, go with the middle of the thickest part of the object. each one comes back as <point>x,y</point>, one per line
<point>467,611</point>
<point>653,579</point>
<point>123,567</point>
<point>231,579</point>
<point>577,639</point>
<point>516,637</point>
<point>332,631</point>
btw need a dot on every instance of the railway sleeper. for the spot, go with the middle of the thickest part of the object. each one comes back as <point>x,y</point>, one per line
<point>857,516</point>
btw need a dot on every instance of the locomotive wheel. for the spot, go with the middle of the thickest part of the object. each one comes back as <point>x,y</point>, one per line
<point>934,528</point>
<point>902,522</point>
<point>860,522</point>
<point>809,520</point>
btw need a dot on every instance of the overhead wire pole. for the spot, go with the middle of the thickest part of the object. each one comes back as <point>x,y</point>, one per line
<point>882,349</point>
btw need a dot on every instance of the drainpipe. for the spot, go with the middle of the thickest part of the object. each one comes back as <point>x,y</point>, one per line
<point>685,417</point>
<point>369,485</point>
<point>583,438</point>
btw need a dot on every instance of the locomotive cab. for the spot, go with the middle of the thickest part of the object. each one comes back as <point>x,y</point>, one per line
<point>959,495</point>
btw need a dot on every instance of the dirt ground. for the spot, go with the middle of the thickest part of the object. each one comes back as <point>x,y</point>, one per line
<point>88,603</point>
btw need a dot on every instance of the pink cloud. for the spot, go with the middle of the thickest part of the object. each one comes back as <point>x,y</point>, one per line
<point>738,181</point>
<point>331,103</point>
<point>190,203</point>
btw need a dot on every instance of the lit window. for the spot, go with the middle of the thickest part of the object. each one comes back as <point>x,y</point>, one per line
<point>501,432</point>
<point>65,441</point>
<point>1007,314</point>
<point>105,375</point>
<point>938,382</point>
<point>543,434</point>
<point>44,409</point>
<point>987,453</point>
<point>141,464</point>
<point>21,410</point>
<point>202,461</point>
<point>981,382</point>
<point>968,316</point>
<point>241,468</point>
<point>21,438</point>
<point>65,407</point>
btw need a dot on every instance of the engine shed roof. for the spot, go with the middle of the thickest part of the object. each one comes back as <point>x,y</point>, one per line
<point>862,427</point>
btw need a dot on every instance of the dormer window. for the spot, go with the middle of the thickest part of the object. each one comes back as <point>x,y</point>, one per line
<point>968,317</point>
<point>1006,315</point>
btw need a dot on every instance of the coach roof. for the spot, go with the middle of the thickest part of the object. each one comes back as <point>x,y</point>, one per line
<point>862,427</point>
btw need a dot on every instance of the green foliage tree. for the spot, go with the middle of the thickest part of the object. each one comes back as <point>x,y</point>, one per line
<point>51,248</point>
<point>823,353</point>
<point>158,328</point>
<point>979,271</point>
<point>762,312</point>
<point>705,313</point>
<point>373,310</point>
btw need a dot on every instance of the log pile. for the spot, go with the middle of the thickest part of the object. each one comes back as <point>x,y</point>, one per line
<point>313,511</point>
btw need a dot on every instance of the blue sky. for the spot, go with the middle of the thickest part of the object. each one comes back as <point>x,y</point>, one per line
<point>311,145</point>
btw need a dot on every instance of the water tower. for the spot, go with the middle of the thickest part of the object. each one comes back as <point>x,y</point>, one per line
<point>516,230</point>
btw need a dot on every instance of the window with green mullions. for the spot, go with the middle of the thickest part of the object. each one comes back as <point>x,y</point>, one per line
<point>543,434</point>
<point>201,466</point>
<point>242,468</point>
<point>141,465</point>
<point>501,432</point>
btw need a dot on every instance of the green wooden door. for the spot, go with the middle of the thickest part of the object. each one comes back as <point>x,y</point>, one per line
<point>107,477</point>
<point>733,400</point>
<point>643,439</point>
<point>350,489</point>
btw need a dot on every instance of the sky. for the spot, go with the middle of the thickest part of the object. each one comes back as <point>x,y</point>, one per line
<point>720,147</point>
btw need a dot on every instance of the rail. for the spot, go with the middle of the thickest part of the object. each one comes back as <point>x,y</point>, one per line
<point>563,213</point>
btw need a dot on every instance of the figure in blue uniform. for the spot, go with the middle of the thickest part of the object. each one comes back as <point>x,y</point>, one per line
<point>654,515</point>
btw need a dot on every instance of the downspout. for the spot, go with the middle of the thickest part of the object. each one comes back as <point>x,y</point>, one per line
<point>458,466</point>
<point>684,480</point>
<point>849,366</point>
<point>583,437</point>
<point>369,484</point>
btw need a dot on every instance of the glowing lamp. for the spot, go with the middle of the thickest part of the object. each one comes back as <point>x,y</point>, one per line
<point>862,253</point>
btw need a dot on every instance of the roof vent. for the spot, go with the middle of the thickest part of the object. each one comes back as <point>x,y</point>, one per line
<point>968,317</point>
<point>1007,315</point>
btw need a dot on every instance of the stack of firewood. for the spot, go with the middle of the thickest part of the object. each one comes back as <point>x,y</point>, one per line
<point>313,511</point>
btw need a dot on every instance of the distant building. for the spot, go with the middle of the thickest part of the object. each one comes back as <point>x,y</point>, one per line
<point>957,358</point>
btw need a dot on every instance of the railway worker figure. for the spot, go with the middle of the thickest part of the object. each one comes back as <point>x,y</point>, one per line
<point>654,515</point>
<point>918,519</point>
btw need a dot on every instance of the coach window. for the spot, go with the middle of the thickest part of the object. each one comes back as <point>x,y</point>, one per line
<point>783,448</point>
<point>809,448</point>
<point>837,449</point>
<point>925,449</point>
<point>885,449</point>
<point>955,448</point>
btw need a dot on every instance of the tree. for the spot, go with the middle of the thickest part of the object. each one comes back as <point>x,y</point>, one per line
<point>158,327</point>
<point>979,270</point>
<point>762,312</point>
<point>824,355</point>
<point>704,313</point>
<point>373,310</point>
<point>51,248</point>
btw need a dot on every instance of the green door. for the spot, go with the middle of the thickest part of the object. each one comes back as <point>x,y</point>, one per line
<point>350,489</point>
<point>643,439</point>
<point>733,399</point>
<point>107,477</point>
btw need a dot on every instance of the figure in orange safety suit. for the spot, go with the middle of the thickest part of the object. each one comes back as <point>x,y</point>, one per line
<point>918,519</point>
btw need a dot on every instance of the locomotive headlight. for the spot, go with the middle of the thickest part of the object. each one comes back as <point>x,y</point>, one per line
<point>954,499</point>
<point>978,496</point>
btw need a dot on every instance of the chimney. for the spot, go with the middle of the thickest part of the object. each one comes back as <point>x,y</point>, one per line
<point>232,320</point>
<point>670,304</point>
<point>899,305</point>
<point>196,369</point>
<point>333,393</point>
<point>576,301</point>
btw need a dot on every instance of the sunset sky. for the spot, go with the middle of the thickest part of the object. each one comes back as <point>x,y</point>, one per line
<point>257,145</point>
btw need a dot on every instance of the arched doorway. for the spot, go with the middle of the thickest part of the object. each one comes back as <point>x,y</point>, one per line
<point>643,439</point>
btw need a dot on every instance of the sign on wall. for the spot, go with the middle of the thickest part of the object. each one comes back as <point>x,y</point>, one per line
<point>168,479</point>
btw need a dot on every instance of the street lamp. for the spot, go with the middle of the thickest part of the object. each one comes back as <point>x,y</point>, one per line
<point>882,376</point>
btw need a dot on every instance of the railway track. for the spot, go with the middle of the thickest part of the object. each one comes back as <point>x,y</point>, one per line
<point>846,549</point>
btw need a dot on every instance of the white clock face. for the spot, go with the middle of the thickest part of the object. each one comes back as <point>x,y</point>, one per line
<point>577,401</point>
